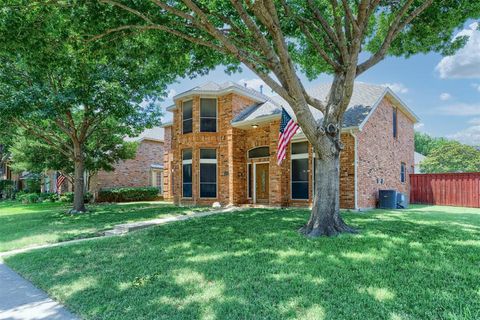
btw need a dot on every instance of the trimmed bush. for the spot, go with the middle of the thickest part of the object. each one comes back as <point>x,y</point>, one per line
<point>26,198</point>
<point>68,197</point>
<point>128,194</point>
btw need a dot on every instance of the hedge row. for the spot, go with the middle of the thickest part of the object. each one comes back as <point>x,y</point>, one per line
<point>127,194</point>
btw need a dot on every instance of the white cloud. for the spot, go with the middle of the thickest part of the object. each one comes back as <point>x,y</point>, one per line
<point>419,126</point>
<point>476,86</point>
<point>465,63</point>
<point>396,87</point>
<point>171,93</point>
<point>445,96</point>
<point>474,121</point>
<point>461,109</point>
<point>470,135</point>
<point>255,84</point>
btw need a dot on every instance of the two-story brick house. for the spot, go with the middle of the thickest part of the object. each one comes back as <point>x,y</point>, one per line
<point>221,147</point>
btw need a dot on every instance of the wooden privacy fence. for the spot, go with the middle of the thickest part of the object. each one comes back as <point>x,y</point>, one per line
<point>447,189</point>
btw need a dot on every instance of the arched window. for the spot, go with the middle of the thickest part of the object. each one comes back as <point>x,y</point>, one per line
<point>260,152</point>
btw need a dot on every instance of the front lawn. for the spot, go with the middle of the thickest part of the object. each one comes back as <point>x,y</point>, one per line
<point>422,263</point>
<point>23,225</point>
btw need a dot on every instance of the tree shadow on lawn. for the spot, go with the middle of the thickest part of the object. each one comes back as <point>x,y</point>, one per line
<point>44,223</point>
<point>255,265</point>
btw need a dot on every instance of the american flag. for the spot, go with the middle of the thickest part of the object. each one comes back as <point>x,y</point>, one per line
<point>288,128</point>
<point>60,179</point>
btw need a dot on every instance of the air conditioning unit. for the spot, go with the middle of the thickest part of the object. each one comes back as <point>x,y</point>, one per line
<point>387,199</point>
<point>401,201</point>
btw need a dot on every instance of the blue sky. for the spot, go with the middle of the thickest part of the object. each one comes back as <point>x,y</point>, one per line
<point>443,91</point>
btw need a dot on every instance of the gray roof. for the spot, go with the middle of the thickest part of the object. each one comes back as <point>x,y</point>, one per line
<point>215,88</point>
<point>364,98</point>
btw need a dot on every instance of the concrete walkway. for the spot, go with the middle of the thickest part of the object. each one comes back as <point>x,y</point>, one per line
<point>19,299</point>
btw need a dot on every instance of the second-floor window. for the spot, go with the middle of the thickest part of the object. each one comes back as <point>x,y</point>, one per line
<point>208,115</point>
<point>187,116</point>
<point>403,172</point>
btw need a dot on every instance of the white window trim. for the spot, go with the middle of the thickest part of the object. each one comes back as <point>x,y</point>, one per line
<point>297,156</point>
<point>200,115</point>
<point>208,161</point>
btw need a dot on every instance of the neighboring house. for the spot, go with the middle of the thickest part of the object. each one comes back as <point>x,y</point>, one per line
<point>146,169</point>
<point>418,160</point>
<point>221,146</point>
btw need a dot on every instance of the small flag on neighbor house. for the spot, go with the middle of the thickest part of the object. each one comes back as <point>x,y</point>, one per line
<point>288,128</point>
<point>60,180</point>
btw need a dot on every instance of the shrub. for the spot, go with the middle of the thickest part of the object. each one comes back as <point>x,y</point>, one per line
<point>68,197</point>
<point>49,196</point>
<point>127,194</point>
<point>7,189</point>
<point>33,185</point>
<point>24,197</point>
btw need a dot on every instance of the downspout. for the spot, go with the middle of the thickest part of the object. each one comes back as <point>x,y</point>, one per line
<point>352,132</point>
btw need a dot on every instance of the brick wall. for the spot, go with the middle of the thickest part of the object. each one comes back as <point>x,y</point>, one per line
<point>380,154</point>
<point>232,146</point>
<point>133,172</point>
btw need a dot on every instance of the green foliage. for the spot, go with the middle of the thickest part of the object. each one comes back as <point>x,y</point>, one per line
<point>67,197</point>
<point>27,197</point>
<point>424,143</point>
<point>7,189</point>
<point>127,194</point>
<point>49,197</point>
<point>33,185</point>
<point>451,156</point>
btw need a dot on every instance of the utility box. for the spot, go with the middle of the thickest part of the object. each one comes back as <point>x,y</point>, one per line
<point>387,199</point>
<point>401,201</point>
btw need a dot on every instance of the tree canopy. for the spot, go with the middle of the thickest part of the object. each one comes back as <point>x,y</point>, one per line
<point>451,156</point>
<point>79,96</point>
<point>279,39</point>
<point>424,143</point>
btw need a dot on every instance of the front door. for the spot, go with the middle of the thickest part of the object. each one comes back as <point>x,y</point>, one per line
<point>261,183</point>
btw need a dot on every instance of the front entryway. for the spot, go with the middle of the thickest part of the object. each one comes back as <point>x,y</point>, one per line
<point>261,183</point>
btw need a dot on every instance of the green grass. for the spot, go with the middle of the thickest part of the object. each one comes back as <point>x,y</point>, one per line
<point>26,225</point>
<point>421,263</point>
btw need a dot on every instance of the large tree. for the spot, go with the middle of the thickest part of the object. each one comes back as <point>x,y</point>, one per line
<point>451,156</point>
<point>101,152</point>
<point>424,143</point>
<point>277,39</point>
<point>67,91</point>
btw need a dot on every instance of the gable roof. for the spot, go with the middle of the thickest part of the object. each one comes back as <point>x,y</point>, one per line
<point>213,88</point>
<point>365,98</point>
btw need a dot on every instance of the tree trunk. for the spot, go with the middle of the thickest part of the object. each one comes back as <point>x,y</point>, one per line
<point>325,219</point>
<point>79,183</point>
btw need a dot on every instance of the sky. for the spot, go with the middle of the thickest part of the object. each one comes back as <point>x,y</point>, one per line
<point>443,91</point>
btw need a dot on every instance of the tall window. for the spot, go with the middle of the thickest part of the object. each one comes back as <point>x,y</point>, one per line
<point>208,115</point>
<point>187,173</point>
<point>395,129</point>
<point>299,172</point>
<point>157,180</point>
<point>249,180</point>
<point>187,116</point>
<point>208,173</point>
<point>403,173</point>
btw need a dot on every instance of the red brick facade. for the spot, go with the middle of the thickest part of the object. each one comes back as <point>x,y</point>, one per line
<point>133,172</point>
<point>378,155</point>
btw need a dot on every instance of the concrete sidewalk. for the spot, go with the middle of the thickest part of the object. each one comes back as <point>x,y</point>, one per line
<point>20,300</point>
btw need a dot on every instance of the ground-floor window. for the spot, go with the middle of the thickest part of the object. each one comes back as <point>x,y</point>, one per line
<point>299,170</point>
<point>250,180</point>
<point>187,173</point>
<point>208,173</point>
<point>157,180</point>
